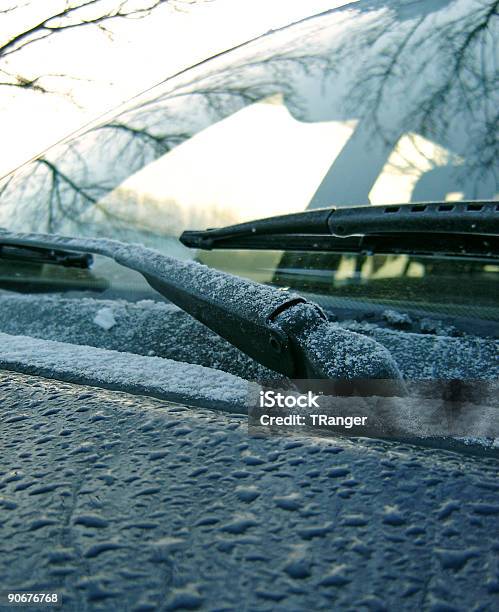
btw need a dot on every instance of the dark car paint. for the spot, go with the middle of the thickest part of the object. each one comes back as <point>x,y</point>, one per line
<point>120,502</point>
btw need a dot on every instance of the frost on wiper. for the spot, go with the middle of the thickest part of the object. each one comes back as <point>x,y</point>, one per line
<point>278,329</point>
<point>451,228</point>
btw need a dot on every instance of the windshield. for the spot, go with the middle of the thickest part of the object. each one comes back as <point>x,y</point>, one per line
<point>335,110</point>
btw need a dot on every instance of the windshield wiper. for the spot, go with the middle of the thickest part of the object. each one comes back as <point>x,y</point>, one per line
<point>279,329</point>
<point>452,228</point>
<point>36,255</point>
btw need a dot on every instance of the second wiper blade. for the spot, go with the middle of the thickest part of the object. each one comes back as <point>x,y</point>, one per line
<point>456,227</point>
<point>67,259</point>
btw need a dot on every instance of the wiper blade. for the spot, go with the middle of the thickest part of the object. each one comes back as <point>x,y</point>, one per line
<point>279,329</point>
<point>37,255</point>
<point>463,228</point>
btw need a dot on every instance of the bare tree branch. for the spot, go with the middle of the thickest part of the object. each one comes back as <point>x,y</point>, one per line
<point>76,14</point>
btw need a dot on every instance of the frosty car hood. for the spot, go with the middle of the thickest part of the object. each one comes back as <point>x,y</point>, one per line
<point>134,502</point>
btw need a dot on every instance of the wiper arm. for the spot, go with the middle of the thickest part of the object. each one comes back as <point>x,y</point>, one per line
<point>279,329</point>
<point>464,228</point>
<point>67,259</point>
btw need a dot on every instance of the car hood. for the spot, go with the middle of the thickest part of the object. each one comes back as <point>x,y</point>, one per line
<point>118,498</point>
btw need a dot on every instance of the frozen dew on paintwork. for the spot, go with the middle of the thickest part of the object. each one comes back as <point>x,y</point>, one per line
<point>104,318</point>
